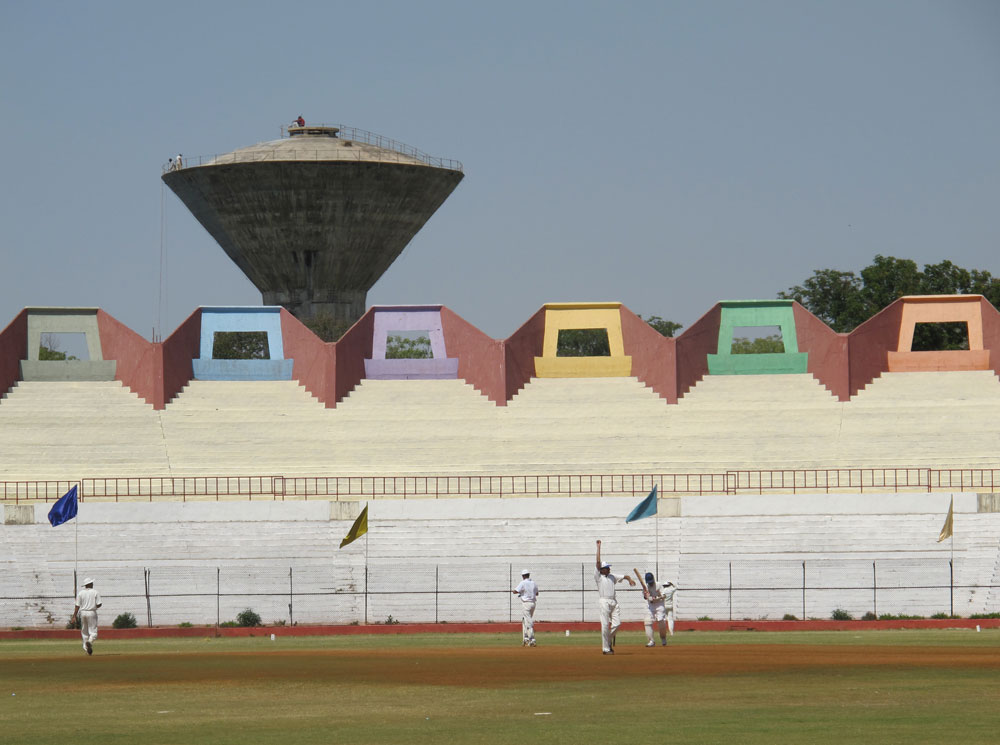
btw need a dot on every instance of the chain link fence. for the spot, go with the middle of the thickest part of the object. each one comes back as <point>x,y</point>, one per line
<point>383,592</point>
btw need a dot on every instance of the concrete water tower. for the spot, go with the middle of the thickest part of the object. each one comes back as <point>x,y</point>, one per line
<point>315,218</point>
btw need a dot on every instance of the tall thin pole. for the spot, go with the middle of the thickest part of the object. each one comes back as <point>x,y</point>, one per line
<point>951,565</point>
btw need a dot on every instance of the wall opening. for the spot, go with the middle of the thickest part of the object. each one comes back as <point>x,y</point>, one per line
<point>583,343</point>
<point>940,336</point>
<point>757,340</point>
<point>408,345</point>
<point>240,345</point>
<point>63,346</point>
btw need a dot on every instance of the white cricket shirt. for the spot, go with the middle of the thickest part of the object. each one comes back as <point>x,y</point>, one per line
<point>527,590</point>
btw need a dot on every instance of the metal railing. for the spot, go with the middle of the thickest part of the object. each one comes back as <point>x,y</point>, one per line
<point>863,479</point>
<point>390,151</point>
<point>350,488</point>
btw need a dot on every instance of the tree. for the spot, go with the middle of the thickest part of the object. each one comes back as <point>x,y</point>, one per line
<point>844,300</point>
<point>240,345</point>
<point>326,327</point>
<point>833,297</point>
<point>49,350</point>
<point>406,348</point>
<point>665,327</point>
<point>761,345</point>
<point>583,343</point>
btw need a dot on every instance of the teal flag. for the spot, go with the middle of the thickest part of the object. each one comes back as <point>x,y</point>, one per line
<point>645,508</point>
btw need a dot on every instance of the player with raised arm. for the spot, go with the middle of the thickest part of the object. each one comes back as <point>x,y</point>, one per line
<point>608,603</point>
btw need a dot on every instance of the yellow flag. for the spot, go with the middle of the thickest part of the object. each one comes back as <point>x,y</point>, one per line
<point>946,529</point>
<point>357,530</point>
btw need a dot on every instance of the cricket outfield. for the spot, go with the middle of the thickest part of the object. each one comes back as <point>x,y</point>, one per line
<point>705,687</point>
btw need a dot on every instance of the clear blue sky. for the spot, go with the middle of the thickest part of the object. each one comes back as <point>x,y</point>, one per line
<point>664,154</point>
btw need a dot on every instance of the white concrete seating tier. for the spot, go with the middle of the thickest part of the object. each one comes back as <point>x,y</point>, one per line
<point>581,425</point>
<point>415,547</point>
<point>70,429</point>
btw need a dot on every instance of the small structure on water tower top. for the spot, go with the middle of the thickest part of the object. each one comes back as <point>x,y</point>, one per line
<point>315,218</point>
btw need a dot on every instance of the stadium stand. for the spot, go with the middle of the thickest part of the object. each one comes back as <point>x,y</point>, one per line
<point>175,435</point>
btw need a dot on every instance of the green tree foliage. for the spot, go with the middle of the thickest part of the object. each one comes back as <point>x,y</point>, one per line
<point>761,345</point>
<point>326,327</point>
<point>49,350</point>
<point>665,327</point>
<point>583,343</point>
<point>240,345</point>
<point>844,300</point>
<point>406,348</point>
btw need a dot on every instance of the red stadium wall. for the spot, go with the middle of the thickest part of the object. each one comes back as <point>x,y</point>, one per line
<point>138,363</point>
<point>868,346</point>
<point>991,333</point>
<point>654,356</point>
<point>13,349</point>
<point>349,355</point>
<point>827,352</point>
<point>312,359</point>
<point>520,350</point>
<point>480,357</point>
<point>693,347</point>
<point>177,351</point>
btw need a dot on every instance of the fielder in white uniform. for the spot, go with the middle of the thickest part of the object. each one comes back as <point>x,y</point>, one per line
<point>87,602</point>
<point>610,617</point>
<point>527,590</point>
<point>660,604</point>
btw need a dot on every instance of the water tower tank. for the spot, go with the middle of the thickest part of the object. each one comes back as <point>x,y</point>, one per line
<point>315,218</point>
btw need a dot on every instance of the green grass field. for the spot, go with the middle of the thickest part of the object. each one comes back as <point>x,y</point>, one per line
<point>807,687</point>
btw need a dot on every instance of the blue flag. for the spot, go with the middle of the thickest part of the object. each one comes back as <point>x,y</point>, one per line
<point>645,508</point>
<point>64,509</point>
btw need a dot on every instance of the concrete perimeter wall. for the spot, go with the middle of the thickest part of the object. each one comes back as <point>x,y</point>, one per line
<point>208,561</point>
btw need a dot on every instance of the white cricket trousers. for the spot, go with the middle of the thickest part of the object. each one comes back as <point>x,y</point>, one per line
<point>88,626</point>
<point>528,620</point>
<point>659,618</point>
<point>610,621</point>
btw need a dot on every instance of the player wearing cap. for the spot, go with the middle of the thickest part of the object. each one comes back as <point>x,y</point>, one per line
<point>527,590</point>
<point>667,590</point>
<point>87,602</point>
<point>608,603</point>
<point>657,615</point>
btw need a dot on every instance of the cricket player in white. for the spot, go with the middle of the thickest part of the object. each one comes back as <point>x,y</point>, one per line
<point>87,602</point>
<point>610,617</point>
<point>660,604</point>
<point>527,590</point>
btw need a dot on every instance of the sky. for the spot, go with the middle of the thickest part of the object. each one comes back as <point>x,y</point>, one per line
<point>664,154</point>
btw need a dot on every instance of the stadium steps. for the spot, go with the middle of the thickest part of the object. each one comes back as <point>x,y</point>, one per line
<point>66,429</point>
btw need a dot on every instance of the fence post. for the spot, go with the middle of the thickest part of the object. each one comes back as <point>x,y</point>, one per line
<point>510,597</point>
<point>437,576</point>
<point>803,591</point>
<point>583,594</point>
<point>149,609</point>
<point>874,591</point>
<point>730,591</point>
<point>951,583</point>
<point>218,593</point>
<point>291,598</point>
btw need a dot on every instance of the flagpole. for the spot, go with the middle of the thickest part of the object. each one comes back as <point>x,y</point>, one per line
<point>656,519</point>
<point>76,541</point>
